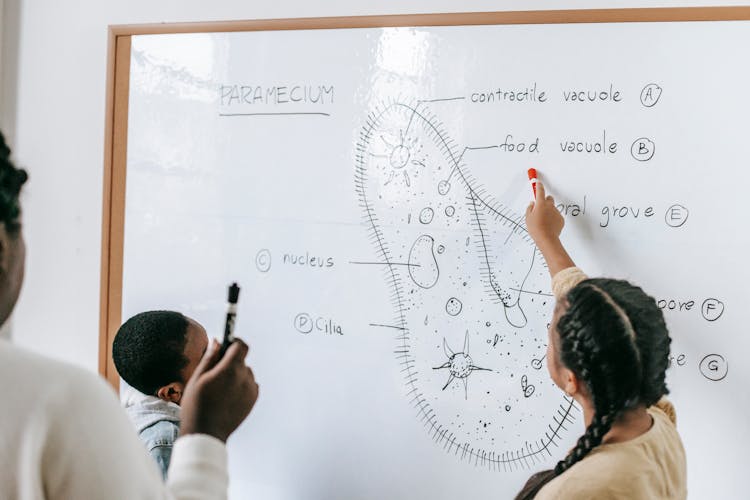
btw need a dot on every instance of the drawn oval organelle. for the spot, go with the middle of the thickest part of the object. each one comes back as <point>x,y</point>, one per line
<point>423,266</point>
<point>426,215</point>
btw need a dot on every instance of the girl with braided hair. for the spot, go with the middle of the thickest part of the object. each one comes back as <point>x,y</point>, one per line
<point>608,349</point>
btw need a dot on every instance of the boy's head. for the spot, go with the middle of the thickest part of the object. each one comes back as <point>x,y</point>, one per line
<point>156,352</point>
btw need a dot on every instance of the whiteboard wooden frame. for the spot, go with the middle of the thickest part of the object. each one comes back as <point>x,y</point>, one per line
<point>118,79</point>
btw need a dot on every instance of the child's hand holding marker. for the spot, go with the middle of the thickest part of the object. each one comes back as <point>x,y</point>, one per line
<point>544,223</point>
<point>220,394</point>
<point>543,220</point>
<point>222,390</point>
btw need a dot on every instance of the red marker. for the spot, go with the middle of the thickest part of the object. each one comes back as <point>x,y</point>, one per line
<point>533,179</point>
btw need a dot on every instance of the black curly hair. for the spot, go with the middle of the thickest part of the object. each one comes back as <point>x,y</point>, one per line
<point>11,181</point>
<point>149,350</point>
<point>614,338</point>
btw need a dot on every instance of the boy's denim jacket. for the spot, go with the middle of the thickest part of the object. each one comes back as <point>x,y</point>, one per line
<point>157,423</point>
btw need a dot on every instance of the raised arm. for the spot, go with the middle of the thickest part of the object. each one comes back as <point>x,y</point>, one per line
<point>545,224</point>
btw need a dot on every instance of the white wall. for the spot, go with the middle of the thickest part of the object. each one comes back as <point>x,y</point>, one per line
<point>53,98</point>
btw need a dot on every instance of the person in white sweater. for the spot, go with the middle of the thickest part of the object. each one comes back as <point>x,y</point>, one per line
<point>63,434</point>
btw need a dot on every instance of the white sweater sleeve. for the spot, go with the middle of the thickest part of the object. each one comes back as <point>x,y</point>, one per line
<point>198,468</point>
<point>92,451</point>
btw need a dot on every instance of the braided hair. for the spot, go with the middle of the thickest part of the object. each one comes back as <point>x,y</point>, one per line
<point>614,338</point>
<point>11,180</point>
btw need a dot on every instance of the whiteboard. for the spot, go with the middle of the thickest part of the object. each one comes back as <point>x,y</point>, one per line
<point>366,188</point>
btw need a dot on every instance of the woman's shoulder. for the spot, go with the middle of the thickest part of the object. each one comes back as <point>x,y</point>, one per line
<point>48,383</point>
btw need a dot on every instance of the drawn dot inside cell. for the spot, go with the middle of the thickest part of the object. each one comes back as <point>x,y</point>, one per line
<point>440,249</point>
<point>444,187</point>
<point>504,296</point>
<point>453,306</point>
<point>507,407</point>
<point>426,215</point>
<point>450,210</point>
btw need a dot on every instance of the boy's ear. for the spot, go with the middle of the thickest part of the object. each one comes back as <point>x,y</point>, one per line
<point>172,393</point>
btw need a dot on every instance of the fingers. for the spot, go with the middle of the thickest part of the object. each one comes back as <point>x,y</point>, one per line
<point>235,354</point>
<point>241,349</point>
<point>541,193</point>
<point>253,383</point>
<point>208,360</point>
<point>529,209</point>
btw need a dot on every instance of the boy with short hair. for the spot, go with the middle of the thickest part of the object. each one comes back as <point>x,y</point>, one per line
<point>155,353</point>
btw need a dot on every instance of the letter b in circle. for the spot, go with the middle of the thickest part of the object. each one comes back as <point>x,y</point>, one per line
<point>643,149</point>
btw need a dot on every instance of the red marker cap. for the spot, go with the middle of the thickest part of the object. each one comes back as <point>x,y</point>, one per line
<point>533,179</point>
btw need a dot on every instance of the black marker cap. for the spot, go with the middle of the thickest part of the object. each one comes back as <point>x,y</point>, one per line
<point>234,293</point>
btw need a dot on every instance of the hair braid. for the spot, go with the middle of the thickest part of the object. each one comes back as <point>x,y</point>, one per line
<point>614,338</point>
<point>580,356</point>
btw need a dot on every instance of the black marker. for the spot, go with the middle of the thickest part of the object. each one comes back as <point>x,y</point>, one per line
<point>234,295</point>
